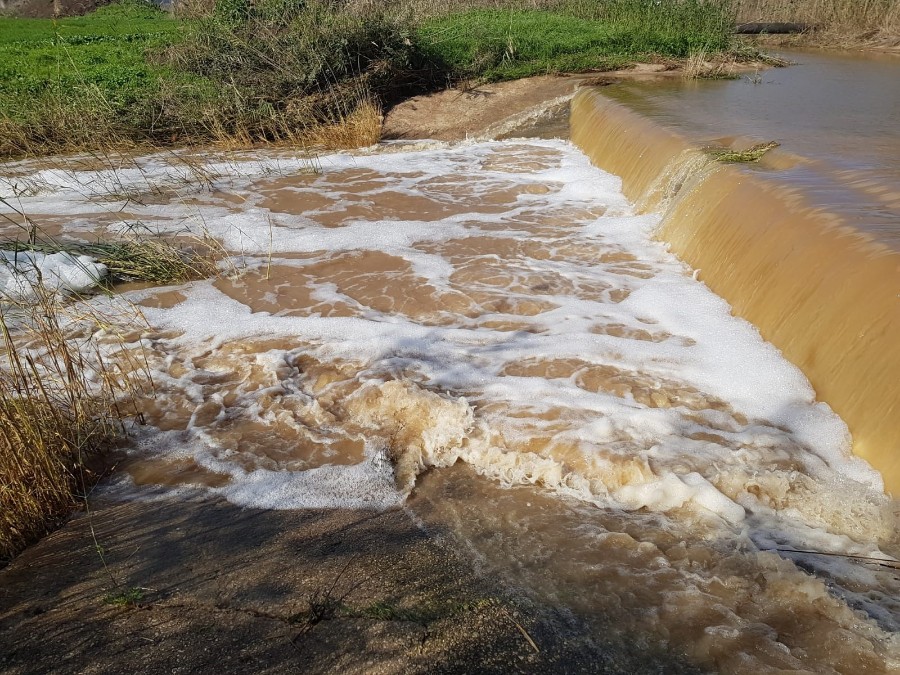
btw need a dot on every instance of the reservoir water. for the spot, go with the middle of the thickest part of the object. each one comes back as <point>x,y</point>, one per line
<point>837,118</point>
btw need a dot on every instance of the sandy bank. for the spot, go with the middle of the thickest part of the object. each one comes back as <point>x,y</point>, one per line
<point>455,114</point>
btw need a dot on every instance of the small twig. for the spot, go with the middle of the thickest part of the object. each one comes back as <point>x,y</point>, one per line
<point>521,630</point>
<point>892,564</point>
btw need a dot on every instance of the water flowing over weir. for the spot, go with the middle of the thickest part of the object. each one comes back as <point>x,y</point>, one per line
<point>488,335</point>
<point>823,292</point>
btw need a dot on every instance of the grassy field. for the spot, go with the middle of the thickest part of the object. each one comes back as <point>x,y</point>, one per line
<point>276,70</point>
<point>512,43</point>
<point>82,81</point>
<point>104,52</point>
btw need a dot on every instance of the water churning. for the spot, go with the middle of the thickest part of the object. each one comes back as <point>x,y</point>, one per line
<point>490,334</point>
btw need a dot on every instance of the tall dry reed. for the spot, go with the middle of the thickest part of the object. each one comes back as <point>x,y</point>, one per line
<point>61,406</point>
<point>847,16</point>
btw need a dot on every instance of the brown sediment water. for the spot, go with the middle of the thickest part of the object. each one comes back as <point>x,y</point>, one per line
<point>820,279</point>
<point>487,335</point>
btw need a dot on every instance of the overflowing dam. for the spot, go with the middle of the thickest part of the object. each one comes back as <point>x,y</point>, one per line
<point>818,276</point>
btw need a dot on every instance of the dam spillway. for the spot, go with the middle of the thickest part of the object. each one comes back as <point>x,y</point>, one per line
<point>822,291</point>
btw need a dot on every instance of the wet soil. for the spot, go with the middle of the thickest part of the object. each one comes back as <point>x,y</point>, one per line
<point>177,585</point>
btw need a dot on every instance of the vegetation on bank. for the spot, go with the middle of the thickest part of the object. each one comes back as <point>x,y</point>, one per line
<point>62,403</point>
<point>80,81</point>
<point>501,44</point>
<point>242,72</point>
<point>60,409</point>
<point>297,71</point>
<point>833,22</point>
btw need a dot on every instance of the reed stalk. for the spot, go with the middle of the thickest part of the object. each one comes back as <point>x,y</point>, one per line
<point>62,405</point>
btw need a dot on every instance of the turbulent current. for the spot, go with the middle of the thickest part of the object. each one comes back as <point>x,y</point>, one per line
<point>489,335</point>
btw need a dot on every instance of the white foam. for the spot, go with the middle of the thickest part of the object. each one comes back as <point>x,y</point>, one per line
<point>652,398</point>
<point>369,485</point>
<point>23,273</point>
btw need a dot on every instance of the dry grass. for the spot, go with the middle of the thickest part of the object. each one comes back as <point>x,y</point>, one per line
<point>136,259</point>
<point>67,123</point>
<point>851,19</point>
<point>360,128</point>
<point>60,408</point>
<point>67,382</point>
<point>701,65</point>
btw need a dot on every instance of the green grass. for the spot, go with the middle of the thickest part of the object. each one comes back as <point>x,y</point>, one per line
<point>130,74</point>
<point>100,56</point>
<point>274,70</point>
<point>127,598</point>
<point>506,45</point>
<point>500,44</point>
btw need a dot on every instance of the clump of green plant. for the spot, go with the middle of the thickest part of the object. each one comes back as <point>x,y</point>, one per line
<point>701,65</point>
<point>130,597</point>
<point>752,154</point>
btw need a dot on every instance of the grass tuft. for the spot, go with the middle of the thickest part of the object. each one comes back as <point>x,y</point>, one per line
<point>127,598</point>
<point>750,155</point>
<point>150,260</point>
<point>701,65</point>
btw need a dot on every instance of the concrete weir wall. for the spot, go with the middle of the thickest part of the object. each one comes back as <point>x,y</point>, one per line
<point>824,293</point>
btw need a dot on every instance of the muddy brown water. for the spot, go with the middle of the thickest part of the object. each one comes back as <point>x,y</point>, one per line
<point>488,336</point>
<point>837,117</point>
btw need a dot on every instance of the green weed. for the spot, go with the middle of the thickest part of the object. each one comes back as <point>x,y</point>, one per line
<point>127,598</point>
<point>750,155</point>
